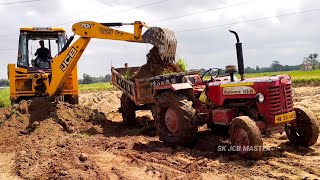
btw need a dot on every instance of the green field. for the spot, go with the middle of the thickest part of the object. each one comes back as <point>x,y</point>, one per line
<point>4,93</point>
<point>4,97</point>
<point>96,87</point>
<point>299,78</point>
<point>307,77</point>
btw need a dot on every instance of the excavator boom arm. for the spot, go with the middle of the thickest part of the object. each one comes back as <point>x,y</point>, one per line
<point>65,62</point>
<point>91,29</point>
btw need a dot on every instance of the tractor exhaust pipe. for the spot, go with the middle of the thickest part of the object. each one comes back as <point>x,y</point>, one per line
<point>239,55</point>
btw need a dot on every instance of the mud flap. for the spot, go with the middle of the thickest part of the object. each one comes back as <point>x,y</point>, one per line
<point>164,40</point>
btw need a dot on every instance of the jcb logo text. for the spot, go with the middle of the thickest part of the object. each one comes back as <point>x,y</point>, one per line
<point>68,59</point>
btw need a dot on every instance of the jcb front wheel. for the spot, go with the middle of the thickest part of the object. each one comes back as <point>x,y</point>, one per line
<point>305,130</point>
<point>246,137</point>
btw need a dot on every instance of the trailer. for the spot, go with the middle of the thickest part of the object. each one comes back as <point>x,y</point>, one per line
<point>140,94</point>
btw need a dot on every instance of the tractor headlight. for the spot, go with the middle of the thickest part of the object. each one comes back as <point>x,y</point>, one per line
<point>260,97</point>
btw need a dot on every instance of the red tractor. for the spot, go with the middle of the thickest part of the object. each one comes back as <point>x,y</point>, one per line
<point>245,108</point>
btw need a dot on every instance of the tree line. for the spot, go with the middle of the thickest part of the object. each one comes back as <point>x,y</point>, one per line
<point>276,66</point>
<point>87,79</point>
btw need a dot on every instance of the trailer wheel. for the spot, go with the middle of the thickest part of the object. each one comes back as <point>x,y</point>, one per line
<point>174,119</point>
<point>305,131</point>
<point>128,110</point>
<point>246,137</point>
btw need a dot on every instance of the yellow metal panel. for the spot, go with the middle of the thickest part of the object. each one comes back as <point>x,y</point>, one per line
<point>75,86</point>
<point>237,84</point>
<point>12,79</point>
<point>43,29</point>
<point>21,70</point>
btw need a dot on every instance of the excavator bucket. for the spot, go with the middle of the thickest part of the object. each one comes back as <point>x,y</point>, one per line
<point>164,40</point>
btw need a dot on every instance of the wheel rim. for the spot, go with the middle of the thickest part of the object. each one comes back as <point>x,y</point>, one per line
<point>172,121</point>
<point>241,139</point>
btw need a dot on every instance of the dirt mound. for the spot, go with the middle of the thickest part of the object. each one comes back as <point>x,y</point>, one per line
<point>103,101</point>
<point>41,133</point>
<point>76,142</point>
<point>155,66</point>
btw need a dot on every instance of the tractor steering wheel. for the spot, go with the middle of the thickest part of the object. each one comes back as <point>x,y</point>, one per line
<point>210,73</point>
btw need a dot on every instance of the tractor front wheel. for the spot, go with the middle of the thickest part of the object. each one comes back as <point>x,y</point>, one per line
<point>174,119</point>
<point>305,130</point>
<point>246,137</point>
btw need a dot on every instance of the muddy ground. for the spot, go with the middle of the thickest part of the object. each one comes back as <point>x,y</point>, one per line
<point>61,141</point>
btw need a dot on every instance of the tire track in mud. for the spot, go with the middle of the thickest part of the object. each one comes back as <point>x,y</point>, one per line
<point>135,165</point>
<point>283,161</point>
<point>292,161</point>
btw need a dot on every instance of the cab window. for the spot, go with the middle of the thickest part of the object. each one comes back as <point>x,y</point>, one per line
<point>23,51</point>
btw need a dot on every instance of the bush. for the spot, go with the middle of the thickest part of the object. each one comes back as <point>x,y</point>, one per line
<point>182,64</point>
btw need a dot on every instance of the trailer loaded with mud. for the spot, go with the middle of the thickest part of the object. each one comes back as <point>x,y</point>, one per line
<point>245,109</point>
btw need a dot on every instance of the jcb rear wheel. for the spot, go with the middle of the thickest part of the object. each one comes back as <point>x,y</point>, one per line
<point>128,110</point>
<point>246,137</point>
<point>305,131</point>
<point>174,119</point>
<point>70,99</point>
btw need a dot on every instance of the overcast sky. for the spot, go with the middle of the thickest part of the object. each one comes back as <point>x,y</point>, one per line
<point>209,44</point>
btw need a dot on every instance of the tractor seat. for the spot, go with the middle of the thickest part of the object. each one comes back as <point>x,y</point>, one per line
<point>195,81</point>
<point>192,79</point>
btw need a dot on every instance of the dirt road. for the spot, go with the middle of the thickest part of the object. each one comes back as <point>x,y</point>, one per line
<point>77,141</point>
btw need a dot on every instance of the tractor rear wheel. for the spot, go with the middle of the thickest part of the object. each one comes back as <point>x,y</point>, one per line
<point>305,130</point>
<point>175,118</point>
<point>246,137</point>
<point>128,110</point>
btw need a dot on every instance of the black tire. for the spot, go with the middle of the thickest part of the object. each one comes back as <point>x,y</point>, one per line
<point>243,124</point>
<point>128,110</point>
<point>186,129</point>
<point>305,131</point>
<point>71,100</point>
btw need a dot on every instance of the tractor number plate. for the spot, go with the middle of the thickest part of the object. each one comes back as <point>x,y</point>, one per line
<point>285,117</point>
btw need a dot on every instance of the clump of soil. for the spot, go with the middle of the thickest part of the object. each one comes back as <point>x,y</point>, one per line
<point>155,66</point>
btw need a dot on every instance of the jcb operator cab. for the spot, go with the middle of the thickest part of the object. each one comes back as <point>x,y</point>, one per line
<point>37,46</point>
<point>26,77</point>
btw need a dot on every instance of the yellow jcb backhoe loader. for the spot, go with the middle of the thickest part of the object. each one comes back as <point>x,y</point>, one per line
<point>57,77</point>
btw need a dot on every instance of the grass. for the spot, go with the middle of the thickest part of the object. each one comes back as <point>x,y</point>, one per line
<point>298,77</point>
<point>307,77</point>
<point>5,93</point>
<point>95,86</point>
<point>4,97</point>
